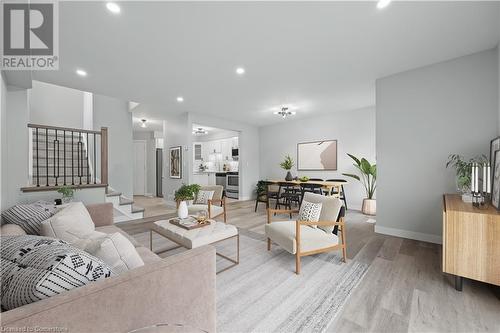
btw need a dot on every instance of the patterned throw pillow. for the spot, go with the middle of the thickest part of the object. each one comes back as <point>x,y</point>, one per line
<point>29,216</point>
<point>34,268</point>
<point>203,197</point>
<point>310,212</point>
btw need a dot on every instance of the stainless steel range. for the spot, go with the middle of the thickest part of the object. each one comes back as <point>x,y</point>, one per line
<point>232,185</point>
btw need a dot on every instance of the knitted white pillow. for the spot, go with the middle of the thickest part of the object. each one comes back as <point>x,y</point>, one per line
<point>203,197</point>
<point>310,212</point>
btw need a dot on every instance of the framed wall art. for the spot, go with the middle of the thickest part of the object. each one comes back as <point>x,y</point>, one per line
<point>317,155</point>
<point>176,162</point>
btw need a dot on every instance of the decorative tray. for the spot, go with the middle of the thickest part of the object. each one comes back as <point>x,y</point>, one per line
<point>188,223</point>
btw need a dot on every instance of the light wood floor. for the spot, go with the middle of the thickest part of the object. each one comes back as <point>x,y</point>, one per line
<point>153,206</point>
<point>404,289</point>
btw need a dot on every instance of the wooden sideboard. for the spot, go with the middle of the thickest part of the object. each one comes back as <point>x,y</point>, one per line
<point>471,241</point>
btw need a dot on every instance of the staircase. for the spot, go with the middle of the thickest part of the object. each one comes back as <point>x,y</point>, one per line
<point>124,208</point>
<point>77,158</point>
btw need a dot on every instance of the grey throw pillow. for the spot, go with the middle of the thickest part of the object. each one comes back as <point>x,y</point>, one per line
<point>29,216</point>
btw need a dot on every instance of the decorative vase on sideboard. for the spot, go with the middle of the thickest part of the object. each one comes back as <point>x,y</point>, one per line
<point>182,210</point>
<point>369,207</point>
<point>289,176</point>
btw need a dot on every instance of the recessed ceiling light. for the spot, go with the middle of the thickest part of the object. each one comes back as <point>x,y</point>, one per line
<point>200,131</point>
<point>81,72</point>
<point>143,125</point>
<point>180,99</point>
<point>240,71</point>
<point>383,3</point>
<point>113,7</point>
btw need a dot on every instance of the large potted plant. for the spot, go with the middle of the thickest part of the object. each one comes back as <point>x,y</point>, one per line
<point>287,165</point>
<point>369,180</point>
<point>463,169</point>
<point>182,195</point>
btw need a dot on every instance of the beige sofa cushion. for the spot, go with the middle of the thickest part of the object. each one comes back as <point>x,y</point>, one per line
<point>111,229</point>
<point>214,210</point>
<point>330,208</point>
<point>283,233</point>
<point>118,252</point>
<point>11,230</point>
<point>69,224</point>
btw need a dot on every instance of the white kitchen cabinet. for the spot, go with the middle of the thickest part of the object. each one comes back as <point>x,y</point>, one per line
<point>234,142</point>
<point>211,178</point>
<point>226,149</point>
<point>201,179</point>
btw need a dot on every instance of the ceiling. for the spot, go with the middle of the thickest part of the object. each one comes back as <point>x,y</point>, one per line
<point>320,57</point>
<point>152,125</point>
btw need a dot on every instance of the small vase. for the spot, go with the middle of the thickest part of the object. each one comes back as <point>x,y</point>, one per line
<point>182,211</point>
<point>369,207</point>
<point>288,176</point>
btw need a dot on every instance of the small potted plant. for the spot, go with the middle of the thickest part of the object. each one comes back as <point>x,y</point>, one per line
<point>67,193</point>
<point>287,165</point>
<point>182,195</point>
<point>463,170</point>
<point>369,180</point>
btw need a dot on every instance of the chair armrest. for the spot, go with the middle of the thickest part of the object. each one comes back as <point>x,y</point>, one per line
<point>221,201</point>
<point>321,223</point>
<point>101,214</point>
<point>179,289</point>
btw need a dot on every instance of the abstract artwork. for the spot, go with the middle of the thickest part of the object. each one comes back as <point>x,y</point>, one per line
<point>495,192</point>
<point>494,146</point>
<point>176,162</point>
<point>318,155</point>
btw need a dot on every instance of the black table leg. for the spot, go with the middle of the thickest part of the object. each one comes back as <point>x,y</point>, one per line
<point>458,282</point>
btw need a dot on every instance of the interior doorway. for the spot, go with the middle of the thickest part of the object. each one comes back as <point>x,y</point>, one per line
<point>140,167</point>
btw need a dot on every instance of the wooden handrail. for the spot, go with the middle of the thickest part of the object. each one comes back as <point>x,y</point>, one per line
<point>104,155</point>
<point>64,128</point>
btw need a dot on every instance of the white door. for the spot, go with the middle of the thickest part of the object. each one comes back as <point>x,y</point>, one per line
<point>139,167</point>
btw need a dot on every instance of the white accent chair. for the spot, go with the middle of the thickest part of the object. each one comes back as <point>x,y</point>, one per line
<point>301,238</point>
<point>215,207</point>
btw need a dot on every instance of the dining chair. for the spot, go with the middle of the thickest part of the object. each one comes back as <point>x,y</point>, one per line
<point>342,195</point>
<point>287,195</point>
<point>307,187</point>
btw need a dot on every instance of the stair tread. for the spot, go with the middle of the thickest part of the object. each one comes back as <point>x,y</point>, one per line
<point>137,209</point>
<point>113,194</point>
<point>125,201</point>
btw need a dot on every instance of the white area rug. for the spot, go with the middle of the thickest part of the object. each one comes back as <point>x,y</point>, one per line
<point>263,293</point>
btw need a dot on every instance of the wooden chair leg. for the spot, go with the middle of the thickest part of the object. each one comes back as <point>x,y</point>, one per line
<point>344,244</point>
<point>269,244</point>
<point>225,216</point>
<point>256,203</point>
<point>297,263</point>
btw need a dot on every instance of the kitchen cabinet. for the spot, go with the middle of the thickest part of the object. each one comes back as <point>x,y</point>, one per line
<point>197,151</point>
<point>211,178</point>
<point>226,149</point>
<point>201,179</point>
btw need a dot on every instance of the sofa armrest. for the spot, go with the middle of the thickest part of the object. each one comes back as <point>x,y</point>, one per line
<point>101,214</point>
<point>176,290</point>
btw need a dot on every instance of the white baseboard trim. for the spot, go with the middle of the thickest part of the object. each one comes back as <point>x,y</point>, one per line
<point>436,239</point>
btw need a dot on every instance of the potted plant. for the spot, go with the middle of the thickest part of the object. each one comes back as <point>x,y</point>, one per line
<point>182,195</point>
<point>369,180</point>
<point>463,170</point>
<point>67,193</point>
<point>287,165</point>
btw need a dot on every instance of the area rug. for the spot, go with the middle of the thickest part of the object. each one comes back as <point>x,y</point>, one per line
<point>263,293</point>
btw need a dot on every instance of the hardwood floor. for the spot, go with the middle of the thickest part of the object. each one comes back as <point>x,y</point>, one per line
<point>153,206</point>
<point>404,289</point>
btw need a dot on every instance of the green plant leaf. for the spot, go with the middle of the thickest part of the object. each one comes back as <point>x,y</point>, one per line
<point>352,176</point>
<point>355,159</point>
<point>365,166</point>
<point>373,171</point>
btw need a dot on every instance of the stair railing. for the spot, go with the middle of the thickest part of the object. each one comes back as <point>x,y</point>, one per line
<point>62,156</point>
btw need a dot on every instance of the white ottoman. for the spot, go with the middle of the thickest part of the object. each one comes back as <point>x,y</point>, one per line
<point>190,239</point>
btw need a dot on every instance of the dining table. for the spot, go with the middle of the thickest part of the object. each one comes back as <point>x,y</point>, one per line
<point>331,188</point>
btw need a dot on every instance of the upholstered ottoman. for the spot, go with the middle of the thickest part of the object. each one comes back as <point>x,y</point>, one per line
<point>214,233</point>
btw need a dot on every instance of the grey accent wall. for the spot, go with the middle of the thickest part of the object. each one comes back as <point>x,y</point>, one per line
<point>498,83</point>
<point>150,160</point>
<point>55,105</point>
<point>177,132</point>
<point>113,113</point>
<point>424,115</point>
<point>354,131</point>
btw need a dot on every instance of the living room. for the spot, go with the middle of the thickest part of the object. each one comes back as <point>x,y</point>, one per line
<point>367,185</point>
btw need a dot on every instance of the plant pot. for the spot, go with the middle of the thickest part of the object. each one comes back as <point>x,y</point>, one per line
<point>369,207</point>
<point>67,200</point>
<point>182,210</point>
<point>288,176</point>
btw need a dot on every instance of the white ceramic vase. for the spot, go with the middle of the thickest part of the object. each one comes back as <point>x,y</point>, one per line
<point>182,210</point>
<point>369,207</point>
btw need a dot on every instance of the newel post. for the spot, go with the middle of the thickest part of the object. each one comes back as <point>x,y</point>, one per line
<point>104,155</point>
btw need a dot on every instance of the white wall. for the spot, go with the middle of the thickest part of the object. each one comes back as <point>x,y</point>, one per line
<point>424,115</point>
<point>56,105</point>
<point>498,83</point>
<point>150,160</point>
<point>113,113</point>
<point>354,130</point>
<point>249,154</point>
<point>3,142</point>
